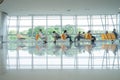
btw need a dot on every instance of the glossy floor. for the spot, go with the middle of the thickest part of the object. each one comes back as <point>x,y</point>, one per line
<point>48,59</point>
<point>63,55</point>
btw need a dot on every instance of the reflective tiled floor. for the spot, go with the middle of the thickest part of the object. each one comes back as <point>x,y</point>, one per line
<point>62,55</point>
<point>35,61</point>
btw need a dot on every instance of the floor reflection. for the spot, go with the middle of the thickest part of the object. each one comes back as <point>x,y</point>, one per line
<point>110,51</point>
<point>61,56</point>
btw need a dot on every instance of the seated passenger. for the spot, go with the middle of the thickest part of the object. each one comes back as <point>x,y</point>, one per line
<point>78,36</point>
<point>42,36</point>
<point>65,36</point>
<point>108,36</point>
<point>83,35</point>
<point>56,36</point>
<point>106,32</point>
<point>91,37</point>
<point>104,36</point>
<point>88,35</point>
<point>37,36</point>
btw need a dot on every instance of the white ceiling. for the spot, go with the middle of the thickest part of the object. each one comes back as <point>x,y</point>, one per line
<point>64,7</point>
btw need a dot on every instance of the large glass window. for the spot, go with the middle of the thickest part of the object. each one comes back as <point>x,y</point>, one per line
<point>68,23</point>
<point>30,25</point>
<point>83,23</point>
<point>53,24</point>
<point>39,22</point>
<point>12,28</point>
<point>25,23</point>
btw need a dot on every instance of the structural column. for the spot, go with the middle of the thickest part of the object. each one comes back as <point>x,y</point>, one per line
<point>119,22</point>
<point>2,59</point>
<point>3,38</point>
<point>3,27</point>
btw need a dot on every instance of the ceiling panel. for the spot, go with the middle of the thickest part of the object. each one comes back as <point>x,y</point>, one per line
<point>65,7</point>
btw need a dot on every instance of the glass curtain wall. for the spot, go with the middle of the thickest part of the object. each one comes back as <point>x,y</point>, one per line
<point>30,25</point>
<point>53,24</point>
<point>39,22</point>
<point>12,28</point>
<point>83,23</point>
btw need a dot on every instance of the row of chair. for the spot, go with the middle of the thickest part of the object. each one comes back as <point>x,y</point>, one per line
<point>63,37</point>
<point>109,36</point>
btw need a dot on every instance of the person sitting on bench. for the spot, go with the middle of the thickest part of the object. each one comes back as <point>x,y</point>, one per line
<point>56,36</point>
<point>91,37</point>
<point>65,35</point>
<point>78,36</point>
<point>42,36</point>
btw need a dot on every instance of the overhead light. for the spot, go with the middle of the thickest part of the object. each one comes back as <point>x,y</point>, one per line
<point>119,8</point>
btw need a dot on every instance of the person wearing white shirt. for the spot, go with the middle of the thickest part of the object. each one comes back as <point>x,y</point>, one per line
<point>42,36</point>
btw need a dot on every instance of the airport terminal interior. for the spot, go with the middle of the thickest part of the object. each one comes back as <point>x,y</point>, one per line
<point>28,54</point>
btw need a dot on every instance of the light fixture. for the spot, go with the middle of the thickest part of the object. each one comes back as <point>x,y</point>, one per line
<point>119,8</point>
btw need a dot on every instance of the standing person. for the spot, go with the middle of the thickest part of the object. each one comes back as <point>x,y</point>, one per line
<point>42,36</point>
<point>66,35</point>
<point>116,35</point>
<point>93,39</point>
<point>56,36</point>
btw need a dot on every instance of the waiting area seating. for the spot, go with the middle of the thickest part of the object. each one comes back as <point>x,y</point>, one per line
<point>108,36</point>
<point>63,37</point>
<point>44,38</point>
<point>88,36</point>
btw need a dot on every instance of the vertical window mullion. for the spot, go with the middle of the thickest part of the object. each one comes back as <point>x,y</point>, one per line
<point>61,23</point>
<point>18,26</point>
<point>32,26</point>
<point>76,24</point>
